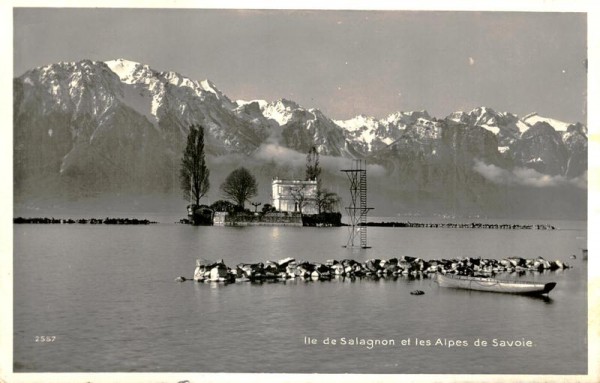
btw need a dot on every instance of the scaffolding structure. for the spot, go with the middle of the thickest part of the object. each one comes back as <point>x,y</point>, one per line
<point>357,175</point>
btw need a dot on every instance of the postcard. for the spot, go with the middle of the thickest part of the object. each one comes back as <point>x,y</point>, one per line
<point>302,193</point>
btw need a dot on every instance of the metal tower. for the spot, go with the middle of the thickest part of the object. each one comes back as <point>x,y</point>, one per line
<point>358,209</point>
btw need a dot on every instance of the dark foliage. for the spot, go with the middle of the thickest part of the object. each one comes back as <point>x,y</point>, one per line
<point>193,175</point>
<point>239,186</point>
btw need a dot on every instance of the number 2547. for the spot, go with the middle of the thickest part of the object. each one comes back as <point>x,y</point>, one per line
<point>45,339</point>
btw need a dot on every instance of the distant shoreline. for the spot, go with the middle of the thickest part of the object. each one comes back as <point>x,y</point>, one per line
<point>135,221</point>
<point>472,225</point>
<point>91,221</point>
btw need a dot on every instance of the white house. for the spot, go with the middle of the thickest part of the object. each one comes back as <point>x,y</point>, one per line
<point>294,196</point>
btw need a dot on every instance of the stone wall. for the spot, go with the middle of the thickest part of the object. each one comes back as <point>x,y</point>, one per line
<point>268,219</point>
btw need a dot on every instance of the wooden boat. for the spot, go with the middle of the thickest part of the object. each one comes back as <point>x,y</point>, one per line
<point>494,285</point>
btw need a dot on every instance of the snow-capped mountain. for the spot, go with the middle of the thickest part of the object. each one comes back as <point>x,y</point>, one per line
<point>560,126</point>
<point>119,125</point>
<point>281,111</point>
<point>560,149</point>
<point>506,126</point>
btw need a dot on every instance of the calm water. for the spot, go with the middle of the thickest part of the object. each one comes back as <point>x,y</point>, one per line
<point>107,294</point>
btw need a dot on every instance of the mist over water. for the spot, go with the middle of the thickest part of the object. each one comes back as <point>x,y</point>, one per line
<point>550,203</point>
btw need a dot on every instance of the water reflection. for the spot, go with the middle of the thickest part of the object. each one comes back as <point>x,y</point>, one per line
<point>275,232</point>
<point>482,294</point>
<point>264,321</point>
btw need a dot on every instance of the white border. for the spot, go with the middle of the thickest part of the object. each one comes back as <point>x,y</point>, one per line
<point>6,203</point>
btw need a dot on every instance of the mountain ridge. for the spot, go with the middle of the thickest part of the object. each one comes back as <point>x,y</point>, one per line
<point>125,124</point>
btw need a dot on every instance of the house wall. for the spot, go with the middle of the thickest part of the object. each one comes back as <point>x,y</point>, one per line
<point>285,195</point>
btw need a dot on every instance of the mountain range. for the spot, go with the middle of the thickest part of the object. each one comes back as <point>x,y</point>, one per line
<point>89,128</point>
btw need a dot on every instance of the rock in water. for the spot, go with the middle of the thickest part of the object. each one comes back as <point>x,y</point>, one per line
<point>180,279</point>
<point>218,272</point>
<point>285,262</point>
<point>417,292</point>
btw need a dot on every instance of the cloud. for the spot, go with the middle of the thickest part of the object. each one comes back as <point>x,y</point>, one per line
<point>526,177</point>
<point>376,170</point>
<point>581,181</point>
<point>290,157</point>
<point>493,173</point>
<point>280,154</point>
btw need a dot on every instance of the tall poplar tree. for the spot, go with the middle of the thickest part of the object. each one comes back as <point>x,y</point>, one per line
<point>313,169</point>
<point>193,175</point>
<point>325,200</point>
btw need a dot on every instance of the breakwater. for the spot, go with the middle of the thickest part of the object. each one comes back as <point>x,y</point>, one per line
<point>377,268</point>
<point>472,225</point>
<point>92,221</point>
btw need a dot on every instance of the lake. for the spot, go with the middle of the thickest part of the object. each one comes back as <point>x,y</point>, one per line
<point>106,298</point>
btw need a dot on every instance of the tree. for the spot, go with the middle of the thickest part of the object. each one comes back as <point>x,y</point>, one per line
<point>299,194</point>
<point>268,208</point>
<point>193,175</point>
<point>239,186</point>
<point>313,169</point>
<point>326,201</point>
<point>223,206</point>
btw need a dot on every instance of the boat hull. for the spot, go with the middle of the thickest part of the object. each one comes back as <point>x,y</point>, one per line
<point>494,285</point>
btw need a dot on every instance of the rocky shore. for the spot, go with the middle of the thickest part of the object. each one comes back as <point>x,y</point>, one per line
<point>378,268</point>
<point>92,221</point>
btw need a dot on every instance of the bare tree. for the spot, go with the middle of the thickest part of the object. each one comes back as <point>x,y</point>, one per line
<point>239,186</point>
<point>193,175</point>
<point>299,194</point>
<point>326,201</point>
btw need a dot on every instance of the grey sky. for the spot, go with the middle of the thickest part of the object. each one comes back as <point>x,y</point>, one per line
<point>342,62</point>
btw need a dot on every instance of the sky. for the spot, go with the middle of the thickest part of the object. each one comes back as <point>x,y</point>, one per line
<point>344,63</point>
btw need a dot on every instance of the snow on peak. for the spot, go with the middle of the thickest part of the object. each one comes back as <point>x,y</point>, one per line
<point>281,110</point>
<point>261,103</point>
<point>367,130</point>
<point>358,122</point>
<point>208,86</point>
<point>285,103</point>
<point>479,116</point>
<point>122,64</point>
<point>459,116</point>
<point>485,117</point>
<point>131,72</point>
<point>522,126</point>
<point>534,118</point>
<point>482,110</point>
<point>128,71</point>
<point>490,128</point>
<point>402,119</point>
